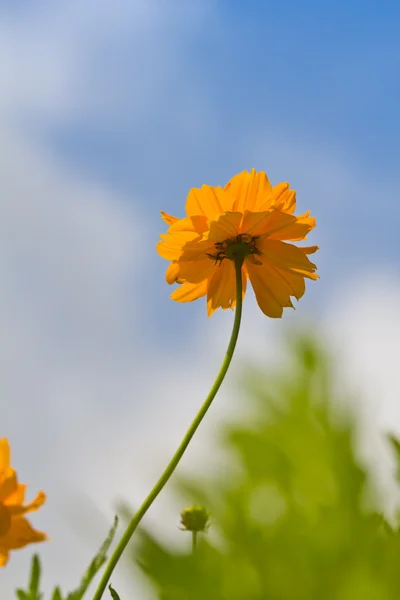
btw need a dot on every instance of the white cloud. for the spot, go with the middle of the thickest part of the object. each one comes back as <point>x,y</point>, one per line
<point>72,350</point>
<point>67,249</point>
<point>364,329</point>
<point>86,61</point>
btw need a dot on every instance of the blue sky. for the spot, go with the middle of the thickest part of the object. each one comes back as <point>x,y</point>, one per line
<point>256,84</point>
<point>112,111</point>
<point>326,73</point>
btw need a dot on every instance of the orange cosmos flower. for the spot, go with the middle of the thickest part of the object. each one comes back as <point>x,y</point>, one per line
<point>248,218</point>
<point>15,530</point>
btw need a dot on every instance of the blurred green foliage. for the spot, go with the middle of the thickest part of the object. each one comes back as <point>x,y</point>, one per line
<point>297,517</point>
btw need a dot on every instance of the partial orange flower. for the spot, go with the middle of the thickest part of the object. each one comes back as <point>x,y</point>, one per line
<point>250,218</point>
<point>15,530</point>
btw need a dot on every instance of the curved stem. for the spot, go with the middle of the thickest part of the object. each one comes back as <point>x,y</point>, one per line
<point>137,517</point>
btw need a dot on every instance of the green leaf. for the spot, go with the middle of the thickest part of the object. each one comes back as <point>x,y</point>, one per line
<point>33,592</point>
<point>57,594</point>
<point>113,593</point>
<point>96,564</point>
<point>35,579</point>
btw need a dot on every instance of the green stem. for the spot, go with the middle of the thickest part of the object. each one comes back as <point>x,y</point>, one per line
<point>137,517</point>
<point>194,541</point>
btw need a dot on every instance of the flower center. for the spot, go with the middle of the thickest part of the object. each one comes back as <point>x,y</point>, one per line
<point>235,248</point>
<point>5,519</point>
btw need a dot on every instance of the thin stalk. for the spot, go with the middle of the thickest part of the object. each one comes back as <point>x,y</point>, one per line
<point>137,517</point>
<point>194,541</point>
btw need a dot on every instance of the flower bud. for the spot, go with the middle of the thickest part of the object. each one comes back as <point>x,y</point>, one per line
<point>194,518</point>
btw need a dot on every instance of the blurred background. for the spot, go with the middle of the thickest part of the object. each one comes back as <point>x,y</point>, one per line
<point>111,111</point>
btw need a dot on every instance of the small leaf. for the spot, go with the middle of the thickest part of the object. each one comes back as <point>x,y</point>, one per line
<point>34,582</point>
<point>113,593</point>
<point>96,564</point>
<point>57,594</point>
<point>34,593</point>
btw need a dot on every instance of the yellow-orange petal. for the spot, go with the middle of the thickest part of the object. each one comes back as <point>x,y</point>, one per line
<point>278,225</point>
<point>187,292</point>
<point>277,285</point>
<point>221,290</point>
<point>282,229</point>
<point>17,497</point>
<point>195,271</point>
<point>295,281</point>
<point>287,257</point>
<point>169,219</point>
<point>20,534</point>
<point>254,223</point>
<point>8,485</point>
<point>207,201</point>
<point>172,273</point>
<point>197,250</point>
<point>282,198</point>
<point>309,249</point>
<point>265,299</point>
<point>171,246</point>
<point>4,455</point>
<point>197,223</point>
<point>4,556</point>
<point>225,227</point>
<point>34,505</point>
<point>248,190</point>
